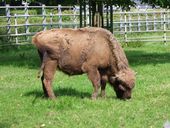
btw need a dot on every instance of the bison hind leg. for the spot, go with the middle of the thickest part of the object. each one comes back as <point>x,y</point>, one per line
<point>47,78</point>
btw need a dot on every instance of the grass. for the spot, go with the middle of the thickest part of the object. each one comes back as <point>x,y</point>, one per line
<point>22,104</point>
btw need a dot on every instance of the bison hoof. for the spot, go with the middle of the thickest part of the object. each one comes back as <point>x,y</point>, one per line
<point>52,98</point>
<point>103,95</point>
<point>93,98</point>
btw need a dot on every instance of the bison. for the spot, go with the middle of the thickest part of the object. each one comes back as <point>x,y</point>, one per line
<point>89,50</point>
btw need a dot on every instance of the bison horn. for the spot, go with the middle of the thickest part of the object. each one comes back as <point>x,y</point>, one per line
<point>113,79</point>
<point>121,87</point>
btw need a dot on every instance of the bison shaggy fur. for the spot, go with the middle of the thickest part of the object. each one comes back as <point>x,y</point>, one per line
<point>89,50</point>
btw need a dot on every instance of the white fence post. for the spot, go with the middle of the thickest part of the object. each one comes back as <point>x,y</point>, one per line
<point>155,23</point>
<point>51,20</point>
<point>164,23</point>
<point>75,17</point>
<point>26,21</point>
<point>168,18</point>
<point>125,22</point>
<point>147,24</point>
<point>16,28</point>
<point>162,20</point>
<point>130,23</point>
<point>139,24</point>
<point>60,16</point>
<point>44,17</point>
<point>8,21</point>
<point>121,22</point>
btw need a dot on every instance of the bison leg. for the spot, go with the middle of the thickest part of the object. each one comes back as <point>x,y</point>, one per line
<point>39,74</point>
<point>103,85</point>
<point>48,75</point>
<point>44,89</point>
<point>94,76</point>
<point>95,79</point>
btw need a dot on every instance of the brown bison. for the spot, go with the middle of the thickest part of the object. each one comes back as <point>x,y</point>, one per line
<point>86,50</point>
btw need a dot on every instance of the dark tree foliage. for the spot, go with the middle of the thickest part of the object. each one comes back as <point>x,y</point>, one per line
<point>46,2</point>
<point>162,3</point>
<point>125,4</point>
<point>56,2</point>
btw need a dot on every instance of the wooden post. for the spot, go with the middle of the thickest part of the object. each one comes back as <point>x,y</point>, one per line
<point>60,16</point>
<point>84,7</point>
<point>16,29</point>
<point>107,15</point>
<point>90,13</point>
<point>111,18</point>
<point>44,17</point>
<point>81,18</point>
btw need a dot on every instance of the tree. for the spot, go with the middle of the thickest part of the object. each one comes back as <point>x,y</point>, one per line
<point>125,4</point>
<point>162,3</point>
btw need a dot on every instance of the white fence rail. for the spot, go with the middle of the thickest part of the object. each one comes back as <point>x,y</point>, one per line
<point>145,25</point>
<point>19,23</point>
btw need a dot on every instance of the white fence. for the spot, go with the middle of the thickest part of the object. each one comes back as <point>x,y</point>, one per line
<point>143,25</point>
<point>19,23</point>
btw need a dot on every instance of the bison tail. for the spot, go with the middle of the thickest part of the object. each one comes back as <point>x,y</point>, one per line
<point>41,55</point>
<point>40,72</point>
<point>44,58</point>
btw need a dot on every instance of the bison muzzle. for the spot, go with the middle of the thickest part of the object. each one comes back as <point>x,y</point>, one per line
<point>89,50</point>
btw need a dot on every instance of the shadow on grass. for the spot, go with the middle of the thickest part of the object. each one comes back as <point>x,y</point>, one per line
<point>61,92</point>
<point>22,56</point>
<point>5,125</point>
<point>142,58</point>
<point>28,57</point>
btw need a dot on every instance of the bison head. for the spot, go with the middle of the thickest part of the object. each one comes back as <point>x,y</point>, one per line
<point>123,83</point>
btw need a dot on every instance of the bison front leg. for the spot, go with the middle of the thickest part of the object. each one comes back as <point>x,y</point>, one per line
<point>48,75</point>
<point>94,76</point>
<point>103,85</point>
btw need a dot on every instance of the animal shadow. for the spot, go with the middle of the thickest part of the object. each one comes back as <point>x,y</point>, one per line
<point>59,92</point>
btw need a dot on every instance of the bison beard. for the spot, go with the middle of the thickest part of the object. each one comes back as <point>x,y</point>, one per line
<point>90,50</point>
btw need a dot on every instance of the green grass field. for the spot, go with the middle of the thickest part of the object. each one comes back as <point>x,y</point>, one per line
<point>22,104</point>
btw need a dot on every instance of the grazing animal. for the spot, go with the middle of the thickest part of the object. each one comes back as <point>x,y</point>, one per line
<point>89,50</point>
